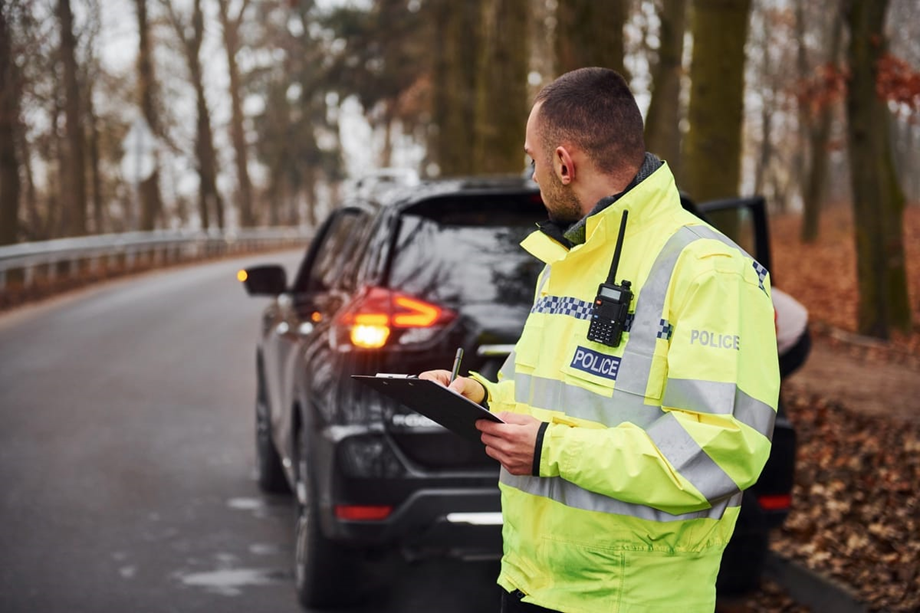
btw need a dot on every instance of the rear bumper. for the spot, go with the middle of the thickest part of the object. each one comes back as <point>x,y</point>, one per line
<point>435,512</point>
<point>460,523</point>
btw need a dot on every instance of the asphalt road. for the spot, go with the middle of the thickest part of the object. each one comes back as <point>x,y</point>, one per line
<point>126,460</point>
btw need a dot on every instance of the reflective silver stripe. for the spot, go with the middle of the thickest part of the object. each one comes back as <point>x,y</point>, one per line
<point>635,368</point>
<point>507,369</point>
<point>569,494</point>
<point>707,232</point>
<point>721,399</point>
<point>689,459</point>
<point>575,401</point>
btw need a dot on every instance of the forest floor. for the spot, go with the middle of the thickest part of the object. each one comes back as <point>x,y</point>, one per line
<point>856,408</point>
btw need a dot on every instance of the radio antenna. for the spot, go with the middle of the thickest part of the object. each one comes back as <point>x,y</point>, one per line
<point>616,253</point>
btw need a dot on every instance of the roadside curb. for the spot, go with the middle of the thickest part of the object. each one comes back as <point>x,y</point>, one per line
<point>809,588</point>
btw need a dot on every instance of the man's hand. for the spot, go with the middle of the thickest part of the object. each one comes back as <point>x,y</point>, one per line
<point>466,387</point>
<point>511,443</point>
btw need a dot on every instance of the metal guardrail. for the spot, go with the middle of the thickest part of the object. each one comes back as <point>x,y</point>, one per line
<point>70,256</point>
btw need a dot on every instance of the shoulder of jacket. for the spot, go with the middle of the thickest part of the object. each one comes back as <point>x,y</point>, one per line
<point>710,256</point>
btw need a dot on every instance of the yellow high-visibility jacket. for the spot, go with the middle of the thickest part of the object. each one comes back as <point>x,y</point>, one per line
<point>649,444</point>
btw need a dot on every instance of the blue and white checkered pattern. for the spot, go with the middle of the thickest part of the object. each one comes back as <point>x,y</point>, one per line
<point>761,273</point>
<point>630,317</point>
<point>563,305</point>
<point>665,329</point>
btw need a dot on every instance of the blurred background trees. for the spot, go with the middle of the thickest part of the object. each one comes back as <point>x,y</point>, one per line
<point>260,112</point>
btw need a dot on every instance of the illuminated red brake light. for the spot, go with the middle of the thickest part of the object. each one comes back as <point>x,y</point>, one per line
<point>371,318</point>
<point>362,513</point>
<point>415,313</point>
<point>776,502</point>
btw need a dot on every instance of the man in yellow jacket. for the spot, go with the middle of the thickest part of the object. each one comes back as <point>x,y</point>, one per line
<point>623,463</point>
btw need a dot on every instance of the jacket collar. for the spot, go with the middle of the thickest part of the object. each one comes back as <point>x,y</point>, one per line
<point>646,202</point>
<point>576,234</point>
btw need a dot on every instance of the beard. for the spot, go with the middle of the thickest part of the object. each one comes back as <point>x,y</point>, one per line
<point>562,206</point>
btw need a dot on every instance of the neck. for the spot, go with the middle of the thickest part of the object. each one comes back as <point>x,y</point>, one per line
<point>599,187</point>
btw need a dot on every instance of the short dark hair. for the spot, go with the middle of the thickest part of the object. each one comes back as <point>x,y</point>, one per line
<point>594,109</point>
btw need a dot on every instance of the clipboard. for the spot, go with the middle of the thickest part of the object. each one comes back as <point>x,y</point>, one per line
<point>434,401</point>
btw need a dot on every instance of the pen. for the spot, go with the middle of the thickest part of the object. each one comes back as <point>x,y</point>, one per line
<point>456,369</point>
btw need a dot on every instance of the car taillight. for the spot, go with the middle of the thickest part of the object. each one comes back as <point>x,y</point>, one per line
<point>776,502</point>
<point>370,320</point>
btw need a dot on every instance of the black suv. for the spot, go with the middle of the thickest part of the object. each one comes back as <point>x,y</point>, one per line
<point>396,283</point>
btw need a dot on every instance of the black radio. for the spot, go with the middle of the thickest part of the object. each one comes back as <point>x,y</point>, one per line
<point>609,315</point>
<point>611,306</point>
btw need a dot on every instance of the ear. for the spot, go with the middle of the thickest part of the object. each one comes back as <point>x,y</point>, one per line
<point>563,165</point>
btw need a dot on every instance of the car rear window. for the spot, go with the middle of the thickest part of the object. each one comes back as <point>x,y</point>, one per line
<point>467,250</point>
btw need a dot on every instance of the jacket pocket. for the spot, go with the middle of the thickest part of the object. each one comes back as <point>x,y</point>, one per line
<point>591,365</point>
<point>597,367</point>
<point>527,350</point>
<point>643,375</point>
<point>592,572</point>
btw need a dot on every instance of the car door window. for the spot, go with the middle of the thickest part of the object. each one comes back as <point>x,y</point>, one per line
<point>357,248</point>
<point>334,252</point>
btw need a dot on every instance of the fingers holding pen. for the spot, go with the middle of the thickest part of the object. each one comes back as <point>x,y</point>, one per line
<point>465,386</point>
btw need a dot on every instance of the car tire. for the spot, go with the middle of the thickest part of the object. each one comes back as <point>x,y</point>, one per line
<point>270,473</point>
<point>326,574</point>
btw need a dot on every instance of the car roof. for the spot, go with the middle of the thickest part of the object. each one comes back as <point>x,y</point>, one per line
<point>403,196</point>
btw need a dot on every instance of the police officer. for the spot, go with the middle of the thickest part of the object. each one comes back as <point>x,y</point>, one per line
<point>623,466</point>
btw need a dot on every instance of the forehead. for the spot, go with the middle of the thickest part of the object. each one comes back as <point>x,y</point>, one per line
<point>532,133</point>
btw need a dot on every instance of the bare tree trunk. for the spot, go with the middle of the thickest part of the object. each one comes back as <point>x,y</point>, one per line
<point>662,125</point>
<point>32,216</point>
<point>913,159</point>
<point>95,172</point>
<point>309,188</point>
<point>819,135</point>
<point>711,166</point>
<point>274,195</point>
<point>74,195</point>
<point>209,197</point>
<point>766,110</point>
<point>501,101</point>
<point>590,33</point>
<point>10,94</point>
<point>231,29</point>
<point>54,225</point>
<point>458,38</point>
<point>386,154</point>
<point>150,197</point>
<point>766,147</point>
<point>877,198</point>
